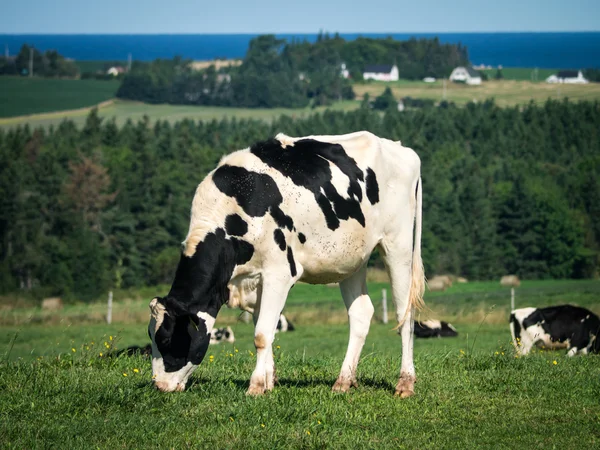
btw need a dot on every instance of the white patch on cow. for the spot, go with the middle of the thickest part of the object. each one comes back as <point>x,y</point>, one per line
<point>340,181</point>
<point>452,328</point>
<point>285,140</point>
<point>158,312</point>
<point>208,320</point>
<point>432,324</point>
<point>243,291</point>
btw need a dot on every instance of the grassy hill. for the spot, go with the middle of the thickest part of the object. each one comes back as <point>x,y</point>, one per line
<point>23,96</point>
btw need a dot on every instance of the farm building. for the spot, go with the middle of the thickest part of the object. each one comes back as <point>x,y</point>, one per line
<point>344,71</point>
<point>381,72</point>
<point>567,76</point>
<point>466,75</point>
<point>115,70</point>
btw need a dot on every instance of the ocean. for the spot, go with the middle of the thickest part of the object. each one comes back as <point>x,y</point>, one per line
<point>577,50</point>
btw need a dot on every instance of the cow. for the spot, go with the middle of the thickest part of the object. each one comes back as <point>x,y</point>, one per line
<point>283,325</point>
<point>554,327</point>
<point>433,328</point>
<point>218,335</point>
<point>292,209</point>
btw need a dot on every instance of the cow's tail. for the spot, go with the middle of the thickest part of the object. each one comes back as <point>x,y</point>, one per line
<point>417,281</point>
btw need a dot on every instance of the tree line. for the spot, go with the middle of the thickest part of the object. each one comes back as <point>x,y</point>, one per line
<point>277,73</point>
<point>514,190</point>
<point>47,64</point>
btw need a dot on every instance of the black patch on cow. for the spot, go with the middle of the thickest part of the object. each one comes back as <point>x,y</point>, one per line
<point>279,238</point>
<point>290,257</point>
<point>307,164</point>
<point>301,238</point>
<point>200,285</point>
<point>281,219</point>
<point>256,193</point>
<point>372,186</point>
<point>516,326</point>
<point>566,322</point>
<point>235,225</point>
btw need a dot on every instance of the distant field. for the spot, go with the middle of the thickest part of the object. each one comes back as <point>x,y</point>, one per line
<point>21,96</point>
<point>522,73</point>
<point>505,92</point>
<point>123,110</point>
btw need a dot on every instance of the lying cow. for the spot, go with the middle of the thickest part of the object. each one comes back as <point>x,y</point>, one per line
<point>283,325</point>
<point>434,328</point>
<point>218,335</point>
<point>555,327</point>
<point>286,210</point>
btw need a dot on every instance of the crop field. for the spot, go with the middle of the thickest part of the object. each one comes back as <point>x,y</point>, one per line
<point>522,73</point>
<point>21,96</point>
<point>504,92</point>
<point>60,386</point>
<point>122,111</point>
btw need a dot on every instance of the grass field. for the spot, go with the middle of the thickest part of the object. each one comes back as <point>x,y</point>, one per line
<point>522,73</point>
<point>20,95</point>
<point>504,92</point>
<point>472,391</point>
<point>123,110</point>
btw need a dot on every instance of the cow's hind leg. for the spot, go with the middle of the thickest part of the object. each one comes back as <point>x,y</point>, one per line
<point>398,260</point>
<point>360,311</point>
<point>272,296</point>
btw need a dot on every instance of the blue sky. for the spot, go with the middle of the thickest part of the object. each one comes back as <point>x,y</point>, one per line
<point>293,16</point>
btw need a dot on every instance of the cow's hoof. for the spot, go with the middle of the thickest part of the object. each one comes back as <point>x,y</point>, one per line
<point>344,385</point>
<point>256,389</point>
<point>405,387</point>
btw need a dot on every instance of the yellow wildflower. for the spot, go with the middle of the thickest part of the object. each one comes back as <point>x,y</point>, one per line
<point>308,432</point>
<point>262,425</point>
<point>554,362</point>
<point>136,371</point>
<point>73,350</point>
<point>100,353</point>
<point>278,347</point>
<point>124,374</point>
<point>110,338</point>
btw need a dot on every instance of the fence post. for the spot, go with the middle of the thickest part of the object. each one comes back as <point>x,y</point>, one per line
<point>512,299</point>
<point>109,312</point>
<point>384,304</point>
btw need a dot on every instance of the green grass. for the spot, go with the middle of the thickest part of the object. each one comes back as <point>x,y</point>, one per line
<point>472,392</point>
<point>21,95</point>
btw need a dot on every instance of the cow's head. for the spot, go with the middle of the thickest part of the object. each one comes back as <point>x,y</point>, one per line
<point>179,342</point>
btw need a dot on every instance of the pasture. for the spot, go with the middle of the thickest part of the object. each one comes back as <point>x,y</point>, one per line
<point>122,110</point>
<point>505,92</point>
<point>472,392</point>
<point>20,96</point>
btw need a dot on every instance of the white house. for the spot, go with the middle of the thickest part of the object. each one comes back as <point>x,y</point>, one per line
<point>466,75</point>
<point>116,70</point>
<point>381,72</point>
<point>567,76</point>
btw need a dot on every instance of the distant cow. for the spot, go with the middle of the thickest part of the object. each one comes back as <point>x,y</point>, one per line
<point>218,335</point>
<point>285,210</point>
<point>283,325</point>
<point>434,328</point>
<point>554,327</point>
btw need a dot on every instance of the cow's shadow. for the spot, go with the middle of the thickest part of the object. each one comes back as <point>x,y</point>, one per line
<point>285,382</point>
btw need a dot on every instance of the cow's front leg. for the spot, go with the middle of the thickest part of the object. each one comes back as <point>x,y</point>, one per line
<point>271,301</point>
<point>360,311</point>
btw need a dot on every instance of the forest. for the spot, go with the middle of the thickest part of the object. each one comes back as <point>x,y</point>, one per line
<point>47,64</point>
<point>277,73</point>
<point>506,190</point>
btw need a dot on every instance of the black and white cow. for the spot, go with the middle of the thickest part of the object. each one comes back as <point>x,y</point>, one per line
<point>218,335</point>
<point>563,326</point>
<point>283,325</point>
<point>434,328</point>
<point>285,210</point>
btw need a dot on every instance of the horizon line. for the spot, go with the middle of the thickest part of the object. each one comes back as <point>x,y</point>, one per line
<point>285,33</point>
